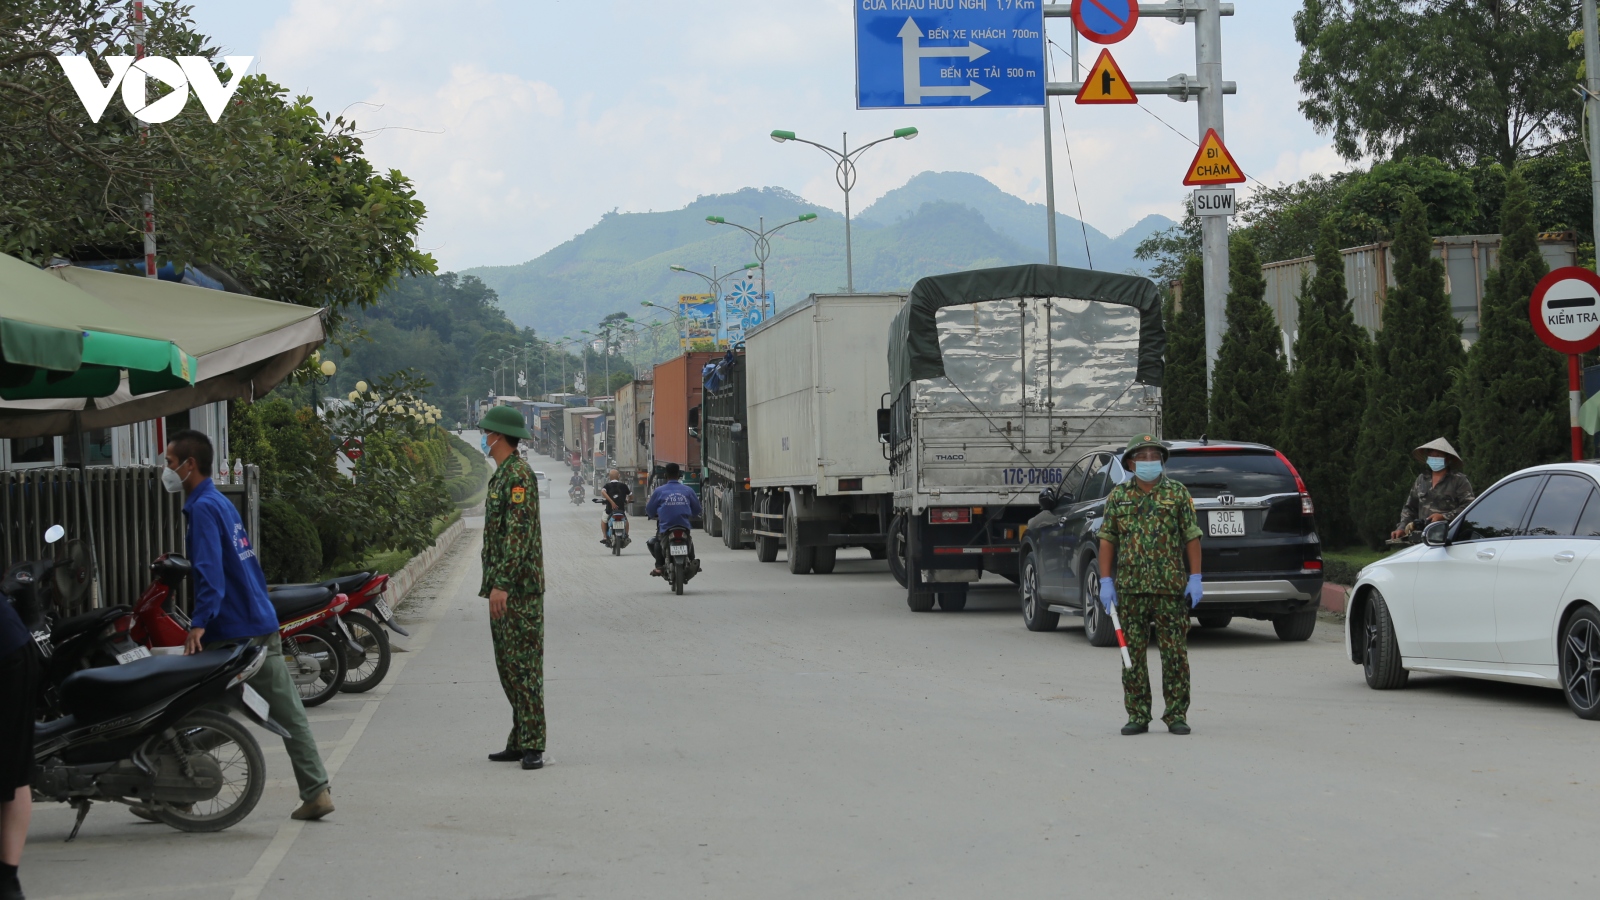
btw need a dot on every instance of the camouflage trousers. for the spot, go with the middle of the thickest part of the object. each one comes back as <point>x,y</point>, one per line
<point>1169,613</point>
<point>519,657</point>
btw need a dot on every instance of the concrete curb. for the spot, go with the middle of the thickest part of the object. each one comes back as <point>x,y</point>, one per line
<point>401,583</point>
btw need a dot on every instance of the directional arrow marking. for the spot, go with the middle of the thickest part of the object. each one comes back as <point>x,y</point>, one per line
<point>912,53</point>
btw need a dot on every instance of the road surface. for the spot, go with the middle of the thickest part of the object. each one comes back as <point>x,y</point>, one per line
<point>770,735</point>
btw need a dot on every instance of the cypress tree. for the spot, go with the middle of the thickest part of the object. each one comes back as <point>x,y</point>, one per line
<point>1252,377</point>
<point>1327,390</point>
<point>1183,392</point>
<point>1513,391</point>
<point>1416,358</point>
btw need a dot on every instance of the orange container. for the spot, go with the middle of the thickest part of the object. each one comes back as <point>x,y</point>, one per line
<point>678,389</point>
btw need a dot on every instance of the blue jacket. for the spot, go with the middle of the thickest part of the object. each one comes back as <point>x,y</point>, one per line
<point>673,504</point>
<point>230,591</point>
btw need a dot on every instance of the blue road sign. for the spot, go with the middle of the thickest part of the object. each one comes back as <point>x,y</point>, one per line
<point>1105,21</point>
<point>916,53</point>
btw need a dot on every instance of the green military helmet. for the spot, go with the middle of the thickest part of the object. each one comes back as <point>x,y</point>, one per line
<point>504,420</point>
<point>1139,443</point>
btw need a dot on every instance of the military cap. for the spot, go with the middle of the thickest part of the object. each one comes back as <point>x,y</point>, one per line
<point>504,420</point>
<point>1140,442</point>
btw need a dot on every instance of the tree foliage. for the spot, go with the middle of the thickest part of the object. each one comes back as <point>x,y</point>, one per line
<point>1513,389</point>
<point>1409,398</point>
<point>1327,390</point>
<point>1466,81</point>
<point>1183,391</point>
<point>1251,376</point>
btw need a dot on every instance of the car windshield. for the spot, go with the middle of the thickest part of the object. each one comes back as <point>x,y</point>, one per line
<point>1241,473</point>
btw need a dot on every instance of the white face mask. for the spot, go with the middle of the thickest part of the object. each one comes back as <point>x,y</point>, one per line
<point>171,480</point>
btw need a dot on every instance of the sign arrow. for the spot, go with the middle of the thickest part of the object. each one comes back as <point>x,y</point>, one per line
<point>971,90</point>
<point>911,55</point>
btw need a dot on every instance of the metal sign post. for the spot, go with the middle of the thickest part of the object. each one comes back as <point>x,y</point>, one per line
<point>1565,312</point>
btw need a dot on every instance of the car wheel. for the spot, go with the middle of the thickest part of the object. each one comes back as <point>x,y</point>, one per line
<point>1380,651</point>
<point>1097,625</point>
<point>1035,614</point>
<point>1580,662</point>
<point>1295,626</point>
<point>1214,621</point>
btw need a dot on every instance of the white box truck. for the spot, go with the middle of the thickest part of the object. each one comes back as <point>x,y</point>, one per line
<point>1001,379</point>
<point>814,381</point>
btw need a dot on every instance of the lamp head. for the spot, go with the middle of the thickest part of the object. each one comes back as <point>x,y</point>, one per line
<point>328,368</point>
<point>749,266</point>
<point>907,133</point>
<point>716,220</point>
<point>781,136</point>
<point>677,268</point>
<point>807,217</point>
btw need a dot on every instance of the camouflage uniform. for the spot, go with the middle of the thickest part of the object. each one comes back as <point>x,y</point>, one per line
<point>1150,531</point>
<point>513,561</point>
<point>1448,498</point>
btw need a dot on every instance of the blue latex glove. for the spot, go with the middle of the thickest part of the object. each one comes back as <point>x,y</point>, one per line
<point>1108,593</point>
<point>1194,591</point>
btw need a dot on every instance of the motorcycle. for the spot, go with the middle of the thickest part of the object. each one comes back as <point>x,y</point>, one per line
<point>575,494</point>
<point>315,643</point>
<point>368,653</point>
<point>616,529</point>
<point>681,564</point>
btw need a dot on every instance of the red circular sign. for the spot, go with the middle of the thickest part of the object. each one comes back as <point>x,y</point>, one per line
<point>1105,21</point>
<point>1565,310</point>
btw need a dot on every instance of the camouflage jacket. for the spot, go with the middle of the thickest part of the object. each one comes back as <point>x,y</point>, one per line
<point>1426,500</point>
<point>1150,531</point>
<point>513,549</point>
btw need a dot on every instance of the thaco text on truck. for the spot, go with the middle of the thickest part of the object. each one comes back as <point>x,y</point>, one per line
<point>819,477</point>
<point>1000,380</point>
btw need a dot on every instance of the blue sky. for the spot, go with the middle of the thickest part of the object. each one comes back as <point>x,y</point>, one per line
<point>522,121</point>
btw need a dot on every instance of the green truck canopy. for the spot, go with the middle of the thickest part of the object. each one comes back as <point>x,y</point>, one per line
<point>914,337</point>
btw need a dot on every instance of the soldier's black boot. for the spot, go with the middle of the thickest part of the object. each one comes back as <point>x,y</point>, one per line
<point>1136,728</point>
<point>506,756</point>
<point>1178,726</point>
<point>533,759</point>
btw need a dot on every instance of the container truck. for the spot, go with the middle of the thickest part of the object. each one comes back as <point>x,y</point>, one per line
<point>574,445</point>
<point>725,451</point>
<point>1000,379</point>
<point>630,448</point>
<point>819,477</point>
<point>675,417</point>
<point>545,421</point>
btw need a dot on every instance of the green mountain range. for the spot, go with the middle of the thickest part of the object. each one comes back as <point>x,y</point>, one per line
<point>937,222</point>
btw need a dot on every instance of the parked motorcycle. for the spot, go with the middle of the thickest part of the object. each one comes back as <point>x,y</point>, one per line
<point>616,529</point>
<point>368,653</point>
<point>681,564</point>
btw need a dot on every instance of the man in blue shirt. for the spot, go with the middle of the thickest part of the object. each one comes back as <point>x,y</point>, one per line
<point>231,603</point>
<point>672,504</point>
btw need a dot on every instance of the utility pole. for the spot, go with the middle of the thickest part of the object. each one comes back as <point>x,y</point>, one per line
<point>1591,100</point>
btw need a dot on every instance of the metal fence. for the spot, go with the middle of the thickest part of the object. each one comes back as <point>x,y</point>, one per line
<point>122,511</point>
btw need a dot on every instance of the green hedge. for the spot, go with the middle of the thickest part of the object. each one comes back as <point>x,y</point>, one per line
<point>466,473</point>
<point>291,550</point>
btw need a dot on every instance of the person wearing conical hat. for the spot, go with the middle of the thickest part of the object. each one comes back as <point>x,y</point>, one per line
<point>1440,493</point>
<point>1150,551</point>
<point>513,583</point>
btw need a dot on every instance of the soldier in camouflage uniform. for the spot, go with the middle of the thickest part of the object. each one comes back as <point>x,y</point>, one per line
<point>1151,534</point>
<point>1439,494</point>
<point>513,581</point>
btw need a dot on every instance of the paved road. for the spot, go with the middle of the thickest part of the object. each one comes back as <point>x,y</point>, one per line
<point>768,735</point>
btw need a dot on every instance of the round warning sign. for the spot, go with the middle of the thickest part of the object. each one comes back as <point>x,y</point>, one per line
<point>1105,21</point>
<point>1565,309</point>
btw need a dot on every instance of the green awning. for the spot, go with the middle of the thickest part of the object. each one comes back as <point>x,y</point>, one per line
<point>40,346</point>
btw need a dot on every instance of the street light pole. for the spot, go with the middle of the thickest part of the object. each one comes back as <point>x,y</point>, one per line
<point>844,172</point>
<point>763,246</point>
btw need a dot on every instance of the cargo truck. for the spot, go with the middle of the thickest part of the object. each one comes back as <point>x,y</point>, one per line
<point>1000,379</point>
<point>575,447</point>
<point>675,417</point>
<point>725,451</point>
<point>546,421</point>
<point>630,448</point>
<point>819,476</point>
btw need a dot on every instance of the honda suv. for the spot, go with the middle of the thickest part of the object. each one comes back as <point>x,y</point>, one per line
<point>1260,554</point>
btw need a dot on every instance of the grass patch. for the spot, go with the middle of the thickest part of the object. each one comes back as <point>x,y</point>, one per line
<point>1341,566</point>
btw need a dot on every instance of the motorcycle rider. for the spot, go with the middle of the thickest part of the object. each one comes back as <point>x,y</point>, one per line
<point>1439,494</point>
<point>576,483</point>
<point>616,494</point>
<point>672,504</point>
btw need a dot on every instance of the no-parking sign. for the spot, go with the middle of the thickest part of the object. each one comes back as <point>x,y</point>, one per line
<point>1105,21</point>
<point>1565,310</point>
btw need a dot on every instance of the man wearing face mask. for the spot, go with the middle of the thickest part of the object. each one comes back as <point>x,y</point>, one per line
<point>1150,550</point>
<point>1439,494</point>
<point>231,603</point>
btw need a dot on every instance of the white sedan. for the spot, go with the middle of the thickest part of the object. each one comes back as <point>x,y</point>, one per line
<point>1507,592</point>
<point>544,483</point>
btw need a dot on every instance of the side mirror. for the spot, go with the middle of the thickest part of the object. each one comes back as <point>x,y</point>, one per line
<point>883,425</point>
<point>1437,534</point>
<point>694,418</point>
<point>1047,500</point>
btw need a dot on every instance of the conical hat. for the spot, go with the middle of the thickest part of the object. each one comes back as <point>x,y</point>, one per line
<point>1453,459</point>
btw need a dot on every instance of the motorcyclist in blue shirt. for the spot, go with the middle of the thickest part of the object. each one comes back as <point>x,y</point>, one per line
<point>672,505</point>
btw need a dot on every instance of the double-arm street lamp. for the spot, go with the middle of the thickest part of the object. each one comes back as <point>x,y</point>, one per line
<point>763,246</point>
<point>844,172</point>
<point>714,281</point>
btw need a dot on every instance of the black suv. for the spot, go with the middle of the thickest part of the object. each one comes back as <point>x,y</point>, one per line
<point>1260,554</point>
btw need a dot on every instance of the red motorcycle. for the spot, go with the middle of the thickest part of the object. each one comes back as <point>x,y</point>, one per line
<point>316,646</point>
<point>368,653</point>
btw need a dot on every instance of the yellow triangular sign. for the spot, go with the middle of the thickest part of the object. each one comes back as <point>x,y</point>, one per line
<point>1106,83</point>
<point>1213,164</point>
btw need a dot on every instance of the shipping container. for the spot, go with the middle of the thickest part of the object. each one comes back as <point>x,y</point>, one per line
<point>675,416</point>
<point>545,422</point>
<point>725,446</point>
<point>630,447</point>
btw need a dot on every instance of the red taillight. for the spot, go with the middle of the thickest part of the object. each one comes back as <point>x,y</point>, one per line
<point>1312,565</point>
<point>949,515</point>
<point>849,484</point>
<point>1305,496</point>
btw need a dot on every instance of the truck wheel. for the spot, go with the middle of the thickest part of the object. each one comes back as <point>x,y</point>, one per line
<point>1295,626</point>
<point>732,527</point>
<point>801,557</point>
<point>1035,612</point>
<point>823,558</point>
<point>877,552</point>
<point>713,517</point>
<point>953,601</point>
<point>919,599</point>
<point>766,547</point>
<point>1097,625</point>
<point>896,551</point>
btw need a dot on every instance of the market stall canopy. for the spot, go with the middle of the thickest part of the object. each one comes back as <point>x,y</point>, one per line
<point>244,347</point>
<point>57,341</point>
